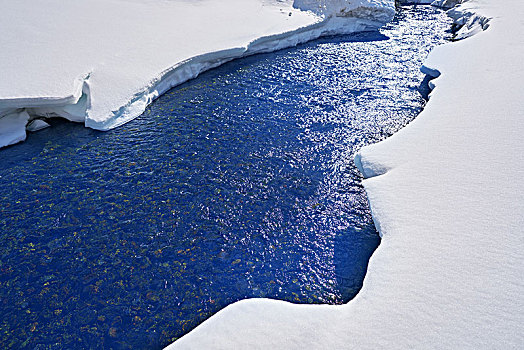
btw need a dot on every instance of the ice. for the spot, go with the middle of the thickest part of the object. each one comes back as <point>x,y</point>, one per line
<point>347,8</point>
<point>36,125</point>
<point>415,2</point>
<point>12,128</point>
<point>446,194</point>
<point>447,4</point>
<point>101,62</point>
<point>468,22</point>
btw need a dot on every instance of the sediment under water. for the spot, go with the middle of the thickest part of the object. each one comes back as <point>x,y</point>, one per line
<point>238,184</point>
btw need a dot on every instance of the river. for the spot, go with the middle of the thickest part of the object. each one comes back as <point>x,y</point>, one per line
<point>237,184</point>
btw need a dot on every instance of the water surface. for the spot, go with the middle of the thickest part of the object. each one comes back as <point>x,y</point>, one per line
<point>238,184</point>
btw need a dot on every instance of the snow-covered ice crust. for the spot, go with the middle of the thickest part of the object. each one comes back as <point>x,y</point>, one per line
<point>103,61</point>
<point>12,128</point>
<point>377,10</point>
<point>37,125</point>
<point>447,196</point>
<point>467,20</point>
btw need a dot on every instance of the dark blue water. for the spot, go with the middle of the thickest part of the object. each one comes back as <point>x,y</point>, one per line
<point>237,184</point>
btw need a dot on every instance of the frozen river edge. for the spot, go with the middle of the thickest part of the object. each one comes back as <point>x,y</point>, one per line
<point>446,196</point>
<point>114,81</point>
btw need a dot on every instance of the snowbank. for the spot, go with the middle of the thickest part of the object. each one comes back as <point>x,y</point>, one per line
<point>12,128</point>
<point>447,195</point>
<point>467,21</point>
<point>103,61</point>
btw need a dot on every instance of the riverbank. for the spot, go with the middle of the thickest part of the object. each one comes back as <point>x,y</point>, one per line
<point>238,184</point>
<point>446,196</point>
<point>102,63</point>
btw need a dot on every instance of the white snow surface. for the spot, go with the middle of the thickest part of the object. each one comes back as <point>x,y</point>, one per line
<point>103,61</point>
<point>447,195</point>
<point>12,128</point>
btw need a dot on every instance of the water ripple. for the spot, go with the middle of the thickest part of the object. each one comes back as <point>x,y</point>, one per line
<point>238,184</point>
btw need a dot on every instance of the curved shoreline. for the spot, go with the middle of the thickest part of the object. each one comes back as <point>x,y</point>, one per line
<point>103,103</point>
<point>193,67</point>
<point>448,205</point>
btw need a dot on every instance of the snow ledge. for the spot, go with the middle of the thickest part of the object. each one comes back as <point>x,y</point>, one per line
<point>114,90</point>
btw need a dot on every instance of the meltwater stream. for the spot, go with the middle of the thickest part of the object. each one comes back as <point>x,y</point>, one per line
<point>238,184</point>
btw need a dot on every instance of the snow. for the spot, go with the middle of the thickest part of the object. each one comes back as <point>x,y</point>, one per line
<point>469,21</point>
<point>416,2</point>
<point>447,196</point>
<point>12,128</point>
<point>36,125</point>
<point>447,4</point>
<point>102,62</point>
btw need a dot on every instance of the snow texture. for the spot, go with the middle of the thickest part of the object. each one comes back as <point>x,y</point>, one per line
<point>102,62</point>
<point>467,21</point>
<point>447,196</point>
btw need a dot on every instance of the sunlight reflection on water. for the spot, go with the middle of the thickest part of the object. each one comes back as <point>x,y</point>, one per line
<point>238,184</point>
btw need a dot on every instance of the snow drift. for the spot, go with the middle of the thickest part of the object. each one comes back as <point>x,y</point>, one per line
<point>102,62</point>
<point>446,194</point>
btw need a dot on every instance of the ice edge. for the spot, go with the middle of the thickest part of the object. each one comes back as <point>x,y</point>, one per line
<point>466,23</point>
<point>76,106</point>
<point>193,67</point>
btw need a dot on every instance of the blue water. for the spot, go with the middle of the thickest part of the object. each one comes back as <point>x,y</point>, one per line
<point>238,184</point>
